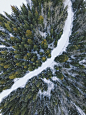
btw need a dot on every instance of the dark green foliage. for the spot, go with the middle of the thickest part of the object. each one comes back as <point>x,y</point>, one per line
<point>56,67</point>
<point>28,100</point>
<point>66,65</point>
<point>61,58</point>
<point>59,75</point>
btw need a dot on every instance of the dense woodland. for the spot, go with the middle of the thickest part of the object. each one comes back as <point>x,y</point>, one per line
<point>26,49</point>
<point>21,32</point>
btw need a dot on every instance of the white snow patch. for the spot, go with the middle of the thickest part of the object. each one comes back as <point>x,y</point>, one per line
<point>11,35</point>
<point>50,87</point>
<point>43,34</point>
<point>79,109</point>
<point>2,46</point>
<point>16,79</point>
<point>56,79</point>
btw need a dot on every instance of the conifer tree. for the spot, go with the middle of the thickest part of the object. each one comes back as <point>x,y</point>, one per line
<point>40,19</point>
<point>28,33</point>
<point>15,10</point>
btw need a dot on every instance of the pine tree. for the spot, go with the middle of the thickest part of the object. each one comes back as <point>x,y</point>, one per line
<point>12,76</point>
<point>30,41</point>
<point>28,33</point>
<point>44,44</point>
<point>43,59</point>
<point>15,30</point>
<point>26,25</point>
<point>7,25</point>
<point>36,15</point>
<point>24,9</point>
<point>29,15</point>
<point>40,19</point>
<point>7,66</point>
<point>26,57</point>
<point>62,58</point>
<point>15,10</point>
<point>18,56</point>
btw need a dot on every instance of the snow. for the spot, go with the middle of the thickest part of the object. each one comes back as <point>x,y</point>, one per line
<point>50,87</point>
<point>56,79</point>
<point>78,109</point>
<point>1,46</point>
<point>43,34</point>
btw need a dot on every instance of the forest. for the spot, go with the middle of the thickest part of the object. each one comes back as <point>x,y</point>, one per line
<point>26,48</point>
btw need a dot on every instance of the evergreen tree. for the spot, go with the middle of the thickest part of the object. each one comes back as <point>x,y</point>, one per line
<point>62,58</point>
<point>15,10</point>
<point>28,33</point>
<point>40,19</point>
